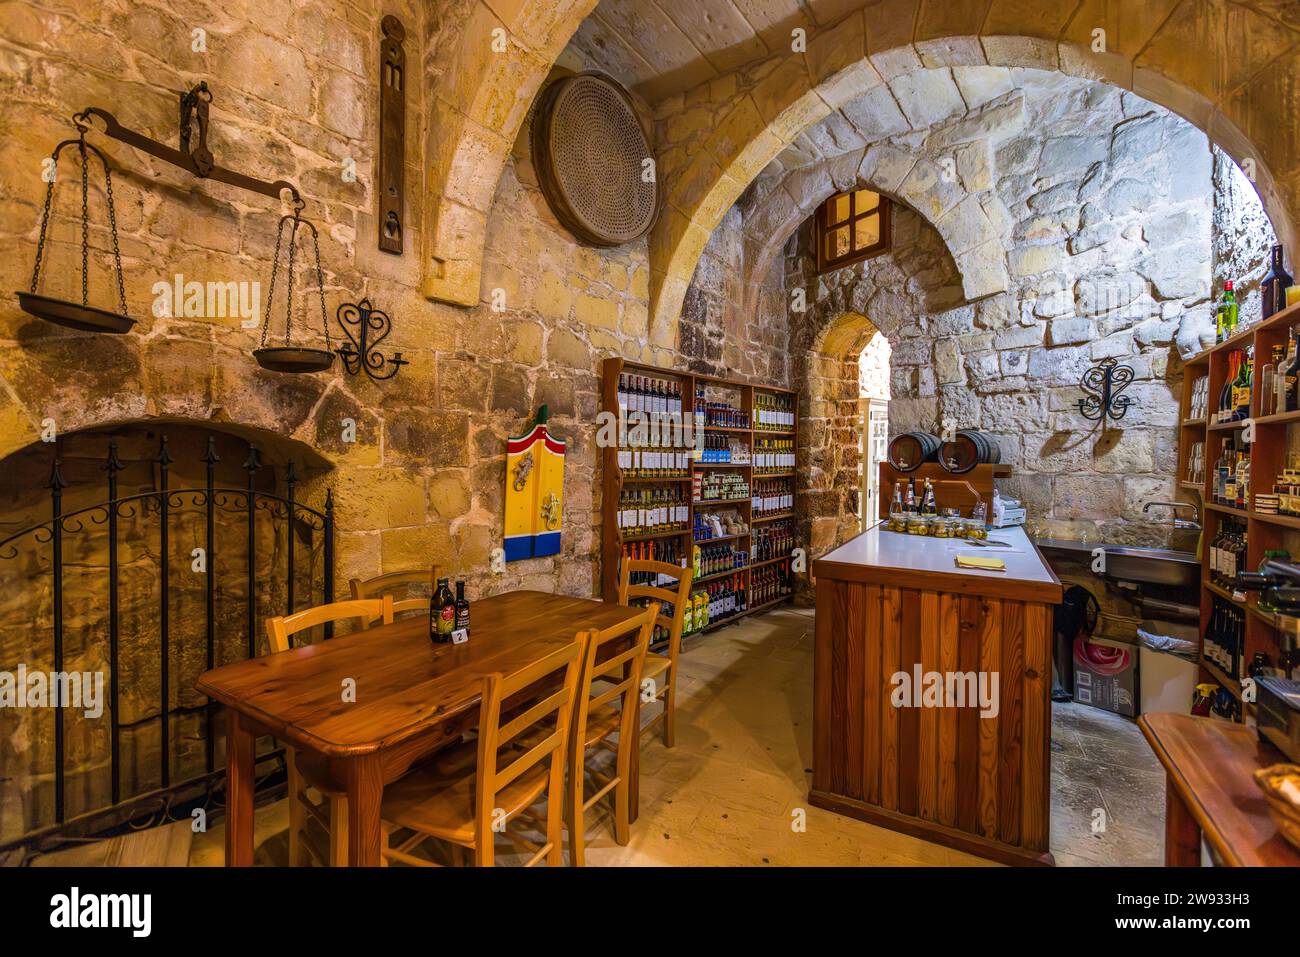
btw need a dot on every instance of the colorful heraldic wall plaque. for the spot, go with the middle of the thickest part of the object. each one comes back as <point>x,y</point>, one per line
<point>534,492</point>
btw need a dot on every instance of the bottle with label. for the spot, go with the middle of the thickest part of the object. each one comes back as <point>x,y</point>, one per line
<point>928,504</point>
<point>462,608</point>
<point>1292,376</point>
<point>1273,289</point>
<point>1228,308</point>
<point>443,607</point>
<point>1241,389</point>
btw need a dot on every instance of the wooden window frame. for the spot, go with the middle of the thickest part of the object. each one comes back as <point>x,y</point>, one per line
<point>821,229</point>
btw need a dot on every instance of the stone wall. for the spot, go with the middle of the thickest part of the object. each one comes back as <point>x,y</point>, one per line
<point>720,333</point>
<point>1109,251</point>
<point>294,89</point>
<point>1243,236</point>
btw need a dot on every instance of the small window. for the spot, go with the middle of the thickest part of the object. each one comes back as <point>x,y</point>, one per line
<point>850,227</point>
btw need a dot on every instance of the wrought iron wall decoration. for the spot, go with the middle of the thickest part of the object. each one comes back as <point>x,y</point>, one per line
<point>1105,381</point>
<point>231,575</point>
<point>363,355</point>
<point>392,134</point>
<point>61,312</point>
<point>290,357</point>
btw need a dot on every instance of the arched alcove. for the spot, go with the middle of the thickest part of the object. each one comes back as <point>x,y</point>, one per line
<point>739,130</point>
<point>174,540</point>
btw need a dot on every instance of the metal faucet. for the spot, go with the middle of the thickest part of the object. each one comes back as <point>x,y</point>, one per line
<point>1195,522</point>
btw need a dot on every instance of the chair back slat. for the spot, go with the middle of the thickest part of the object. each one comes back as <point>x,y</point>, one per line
<point>532,716</point>
<point>677,597</point>
<point>653,591</point>
<point>637,631</point>
<point>563,666</point>
<point>532,756</point>
<point>613,664</point>
<point>399,586</point>
<point>280,629</point>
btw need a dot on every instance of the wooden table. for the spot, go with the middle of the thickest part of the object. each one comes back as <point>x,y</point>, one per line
<point>412,696</point>
<point>1210,790</point>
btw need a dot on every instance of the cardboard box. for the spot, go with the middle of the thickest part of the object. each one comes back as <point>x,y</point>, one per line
<point>1105,675</point>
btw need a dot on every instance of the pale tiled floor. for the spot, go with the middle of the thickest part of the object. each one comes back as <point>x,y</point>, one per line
<point>727,793</point>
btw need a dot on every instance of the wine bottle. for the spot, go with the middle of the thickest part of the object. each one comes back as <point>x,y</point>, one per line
<point>1291,389</point>
<point>1241,389</point>
<point>444,607</point>
<point>1273,288</point>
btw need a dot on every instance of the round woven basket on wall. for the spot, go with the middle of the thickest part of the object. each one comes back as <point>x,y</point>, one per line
<point>589,150</point>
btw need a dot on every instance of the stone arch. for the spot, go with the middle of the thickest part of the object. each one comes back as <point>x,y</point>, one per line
<point>480,84</point>
<point>1149,50</point>
<point>967,219</point>
<point>825,371</point>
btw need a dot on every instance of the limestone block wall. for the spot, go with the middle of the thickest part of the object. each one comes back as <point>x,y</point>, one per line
<point>1108,242</point>
<point>423,479</point>
<point>721,332</point>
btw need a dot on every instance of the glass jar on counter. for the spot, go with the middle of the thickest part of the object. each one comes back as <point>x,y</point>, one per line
<point>975,528</point>
<point>918,525</point>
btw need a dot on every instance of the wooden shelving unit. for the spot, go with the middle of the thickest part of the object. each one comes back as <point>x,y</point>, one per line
<point>613,479</point>
<point>1268,454</point>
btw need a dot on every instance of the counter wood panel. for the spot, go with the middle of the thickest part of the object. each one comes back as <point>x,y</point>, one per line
<point>949,774</point>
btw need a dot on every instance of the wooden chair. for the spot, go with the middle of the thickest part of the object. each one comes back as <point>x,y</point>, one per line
<point>597,721</point>
<point>308,772</point>
<point>466,796</point>
<point>657,664</point>
<point>397,581</point>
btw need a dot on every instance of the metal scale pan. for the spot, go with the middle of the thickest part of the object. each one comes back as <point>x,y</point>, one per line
<point>62,312</point>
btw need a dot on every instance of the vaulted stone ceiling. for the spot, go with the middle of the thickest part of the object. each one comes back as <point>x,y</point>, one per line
<point>661,47</point>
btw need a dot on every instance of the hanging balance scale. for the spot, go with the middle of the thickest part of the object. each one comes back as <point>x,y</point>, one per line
<point>289,357</point>
<point>63,312</point>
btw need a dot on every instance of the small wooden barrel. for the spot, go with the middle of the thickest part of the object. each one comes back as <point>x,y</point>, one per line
<point>967,450</point>
<point>908,450</point>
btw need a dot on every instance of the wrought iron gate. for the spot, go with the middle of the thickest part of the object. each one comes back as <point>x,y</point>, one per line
<point>250,507</point>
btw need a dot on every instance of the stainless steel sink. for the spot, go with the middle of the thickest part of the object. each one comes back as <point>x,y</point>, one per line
<point>1152,566</point>
<point>1155,566</point>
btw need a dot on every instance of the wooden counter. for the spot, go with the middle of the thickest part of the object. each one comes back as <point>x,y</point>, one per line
<point>891,604</point>
<point>1210,791</point>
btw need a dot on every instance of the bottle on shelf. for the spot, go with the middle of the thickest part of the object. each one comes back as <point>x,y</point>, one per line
<point>1241,389</point>
<point>1290,389</point>
<point>1226,315</point>
<point>1273,288</point>
<point>1225,638</point>
<point>1268,382</point>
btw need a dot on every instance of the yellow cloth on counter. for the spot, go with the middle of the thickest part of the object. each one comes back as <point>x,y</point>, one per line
<point>979,561</point>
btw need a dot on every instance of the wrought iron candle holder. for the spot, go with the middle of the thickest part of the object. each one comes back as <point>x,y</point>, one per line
<point>1105,381</point>
<point>372,327</point>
